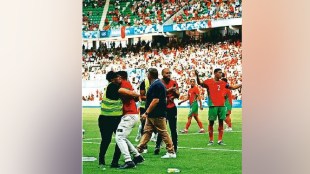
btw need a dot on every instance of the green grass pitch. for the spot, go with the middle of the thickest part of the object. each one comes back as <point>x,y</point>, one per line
<point>193,157</point>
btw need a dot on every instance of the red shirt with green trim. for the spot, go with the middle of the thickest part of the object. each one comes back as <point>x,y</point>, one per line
<point>193,93</point>
<point>216,92</point>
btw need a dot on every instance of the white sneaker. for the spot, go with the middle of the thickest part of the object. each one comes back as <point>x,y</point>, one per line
<point>184,131</point>
<point>202,131</point>
<point>144,151</point>
<point>228,129</point>
<point>169,155</point>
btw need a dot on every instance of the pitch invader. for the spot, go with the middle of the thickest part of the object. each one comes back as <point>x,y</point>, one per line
<point>216,89</point>
<point>193,96</point>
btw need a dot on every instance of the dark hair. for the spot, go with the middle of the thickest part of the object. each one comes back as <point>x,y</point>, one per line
<point>111,75</point>
<point>224,79</point>
<point>223,74</point>
<point>123,74</point>
<point>153,73</point>
<point>217,70</point>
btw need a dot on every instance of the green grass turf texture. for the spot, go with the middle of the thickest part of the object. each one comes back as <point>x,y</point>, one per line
<point>210,159</point>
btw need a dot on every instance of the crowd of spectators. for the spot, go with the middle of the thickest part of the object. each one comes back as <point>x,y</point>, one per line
<point>180,56</point>
<point>148,12</point>
<point>158,11</point>
<point>137,13</point>
<point>210,10</point>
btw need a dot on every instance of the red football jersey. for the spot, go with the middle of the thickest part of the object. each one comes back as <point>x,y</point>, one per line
<point>129,104</point>
<point>172,83</point>
<point>193,93</point>
<point>216,92</point>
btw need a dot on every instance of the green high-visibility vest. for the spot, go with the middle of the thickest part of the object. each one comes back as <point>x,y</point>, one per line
<point>147,86</point>
<point>111,107</point>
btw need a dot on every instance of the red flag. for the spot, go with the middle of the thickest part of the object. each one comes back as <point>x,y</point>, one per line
<point>209,24</point>
<point>123,32</point>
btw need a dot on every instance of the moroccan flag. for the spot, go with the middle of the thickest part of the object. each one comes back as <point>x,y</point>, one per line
<point>209,24</point>
<point>123,32</point>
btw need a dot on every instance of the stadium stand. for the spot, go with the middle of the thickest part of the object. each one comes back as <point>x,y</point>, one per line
<point>92,13</point>
<point>181,58</point>
<point>136,13</point>
<point>210,10</point>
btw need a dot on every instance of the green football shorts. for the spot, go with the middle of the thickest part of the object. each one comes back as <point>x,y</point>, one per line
<point>193,109</point>
<point>217,112</point>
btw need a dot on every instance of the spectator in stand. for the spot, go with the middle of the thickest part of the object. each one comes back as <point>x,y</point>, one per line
<point>210,10</point>
<point>181,57</point>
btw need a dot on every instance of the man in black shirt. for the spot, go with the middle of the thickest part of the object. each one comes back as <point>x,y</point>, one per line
<point>155,114</point>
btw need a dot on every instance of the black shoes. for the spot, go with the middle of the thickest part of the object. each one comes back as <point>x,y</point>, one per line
<point>128,165</point>
<point>156,151</point>
<point>115,165</point>
<point>138,159</point>
<point>101,162</point>
<point>132,164</point>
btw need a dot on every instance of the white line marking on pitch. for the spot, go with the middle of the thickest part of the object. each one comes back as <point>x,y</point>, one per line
<point>91,139</point>
<point>178,134</point>
<point>216,149</point>
<point>207,133</point>
<point>192,148</point>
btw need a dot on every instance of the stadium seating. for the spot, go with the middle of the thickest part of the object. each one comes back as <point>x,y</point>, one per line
<point>92,13</point>
<point>135,13</point>
<point>207,9</point>
<point>203,57</point>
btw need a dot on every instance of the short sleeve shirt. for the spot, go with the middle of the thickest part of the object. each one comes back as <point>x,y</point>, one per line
<point>193,93</point>
<point>157,90</point>
<point>216,92</point>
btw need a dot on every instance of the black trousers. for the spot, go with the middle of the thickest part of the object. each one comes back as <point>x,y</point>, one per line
<point>108,125</point>
<point>172,120</point>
